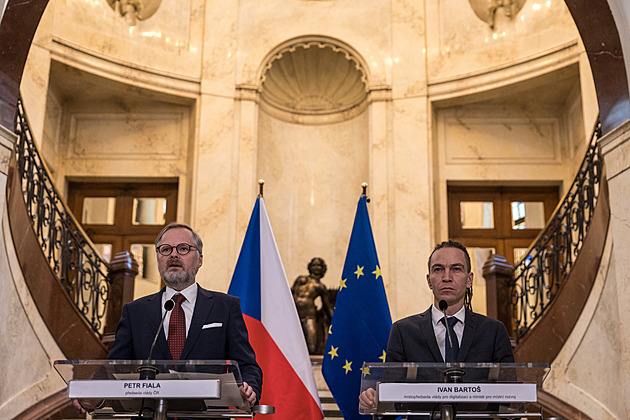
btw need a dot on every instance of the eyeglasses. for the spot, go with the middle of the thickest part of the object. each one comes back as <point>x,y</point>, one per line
<point>182,249</point>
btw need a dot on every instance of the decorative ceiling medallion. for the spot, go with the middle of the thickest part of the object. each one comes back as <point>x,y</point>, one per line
<point>134,10</point>
<point>487,10</point>
<point>314,78</point>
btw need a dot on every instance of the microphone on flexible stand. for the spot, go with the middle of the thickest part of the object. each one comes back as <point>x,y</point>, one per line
<point>147,371</point>
<point>443,307</point>
<point>448,411</point>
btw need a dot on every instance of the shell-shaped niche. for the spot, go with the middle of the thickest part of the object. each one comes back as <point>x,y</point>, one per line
<point>314,79</point>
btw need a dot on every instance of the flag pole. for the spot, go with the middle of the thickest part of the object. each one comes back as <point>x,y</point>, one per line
<point>364,193</point>
<point>261,183</point>
<point>361,322</point>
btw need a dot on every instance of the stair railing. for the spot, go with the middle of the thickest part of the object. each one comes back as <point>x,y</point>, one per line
<point>537,277</point>
<point>81,271</point>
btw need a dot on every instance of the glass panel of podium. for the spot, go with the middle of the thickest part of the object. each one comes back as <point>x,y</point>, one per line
<point>453,390</point>
<point>158,389</point>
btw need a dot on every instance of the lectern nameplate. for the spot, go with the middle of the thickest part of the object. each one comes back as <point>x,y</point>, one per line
<point>471,390</point>
<point>440,392</point>
<point>114,389</point>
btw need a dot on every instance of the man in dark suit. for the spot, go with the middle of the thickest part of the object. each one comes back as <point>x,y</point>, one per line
<point>203,325</point>
<point>423,337</point>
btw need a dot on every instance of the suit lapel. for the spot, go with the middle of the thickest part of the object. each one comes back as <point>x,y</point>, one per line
<point>203,306</point>
<point>470,329</point>
<point>426,324</point>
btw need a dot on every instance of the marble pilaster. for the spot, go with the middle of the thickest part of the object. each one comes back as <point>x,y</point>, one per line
<point>615,147</point>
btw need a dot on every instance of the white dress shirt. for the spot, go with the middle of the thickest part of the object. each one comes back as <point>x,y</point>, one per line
<point>190,293</point>
<point>440,329</point>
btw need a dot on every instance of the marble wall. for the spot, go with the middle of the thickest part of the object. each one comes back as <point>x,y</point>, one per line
<point>460,44</point>
<point>313,177</point>
<point>615,321</point>
<point>427,65</point>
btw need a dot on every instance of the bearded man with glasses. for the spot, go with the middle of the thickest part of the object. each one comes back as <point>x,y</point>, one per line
<point>203,325</point>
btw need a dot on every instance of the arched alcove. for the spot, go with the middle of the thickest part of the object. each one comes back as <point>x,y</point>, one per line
<point>313,95</point>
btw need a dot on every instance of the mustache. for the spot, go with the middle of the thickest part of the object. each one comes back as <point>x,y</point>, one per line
<point>174,263</point>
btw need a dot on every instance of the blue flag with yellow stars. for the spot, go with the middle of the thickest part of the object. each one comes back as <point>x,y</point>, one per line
<point>361,321</point>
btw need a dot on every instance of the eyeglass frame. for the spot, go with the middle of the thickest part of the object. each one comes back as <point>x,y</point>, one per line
<point>157,249</point>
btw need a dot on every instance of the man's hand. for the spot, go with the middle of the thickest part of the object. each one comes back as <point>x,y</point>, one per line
<point>248,394</point>
<point>367,399</point>
<point>85,405</point>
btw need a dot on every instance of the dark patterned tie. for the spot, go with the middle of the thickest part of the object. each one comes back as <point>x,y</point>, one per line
<point>448,357</point>
<point>177,328</point>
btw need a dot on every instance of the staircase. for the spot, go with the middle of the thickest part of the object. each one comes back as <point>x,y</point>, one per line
<point>541,299</point>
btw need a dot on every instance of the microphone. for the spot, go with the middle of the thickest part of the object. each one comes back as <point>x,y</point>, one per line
<point>168,306</point>
<point>147,371</point>
<point>443,307</point>
<point>447,411</point>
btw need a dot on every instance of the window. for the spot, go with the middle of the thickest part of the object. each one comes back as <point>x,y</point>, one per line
<point>126,217</point>
<point>497,220</point>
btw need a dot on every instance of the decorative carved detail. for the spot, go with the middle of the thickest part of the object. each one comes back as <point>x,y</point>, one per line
<point>487,10</point>
<point>134,10</point>
<point>122,275</point>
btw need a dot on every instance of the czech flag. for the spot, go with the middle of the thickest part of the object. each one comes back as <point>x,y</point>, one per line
<point>274,327</point>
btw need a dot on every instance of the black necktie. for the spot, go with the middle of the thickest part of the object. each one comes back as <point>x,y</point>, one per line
<point>448,357</point>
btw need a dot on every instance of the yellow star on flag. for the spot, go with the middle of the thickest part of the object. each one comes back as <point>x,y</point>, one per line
<point>377,272</point>
<point>359,271</point>
<point>347,367</point>
<point>333,352</point>
<point>365,370</point>
<point>383,356</point>
<point>330,329</point>
<point>342,284</point>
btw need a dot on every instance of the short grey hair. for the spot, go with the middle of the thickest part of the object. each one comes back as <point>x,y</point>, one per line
<point>196,238</point>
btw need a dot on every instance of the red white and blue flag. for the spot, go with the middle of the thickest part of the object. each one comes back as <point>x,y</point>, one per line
<point>273,323</point>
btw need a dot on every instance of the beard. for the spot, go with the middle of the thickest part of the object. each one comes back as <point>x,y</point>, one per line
<point>178,280</point>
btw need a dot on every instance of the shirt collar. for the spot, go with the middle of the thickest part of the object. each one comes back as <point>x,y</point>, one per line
<point>436,315</point>
<point>190,293</point>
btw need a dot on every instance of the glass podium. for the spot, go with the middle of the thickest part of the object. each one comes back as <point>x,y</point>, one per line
<point>158,389</point>
<point>453,390</point>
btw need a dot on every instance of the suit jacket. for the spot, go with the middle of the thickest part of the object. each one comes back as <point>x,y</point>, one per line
<point>485,340</point>
<point>412,339</point>
<point>230,341</point>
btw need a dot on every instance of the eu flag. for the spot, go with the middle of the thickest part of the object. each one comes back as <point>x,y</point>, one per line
<point>361,321</point>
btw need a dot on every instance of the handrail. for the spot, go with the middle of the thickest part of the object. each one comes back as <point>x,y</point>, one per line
<point>83,274</point>
<point>549,260</point>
